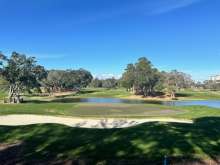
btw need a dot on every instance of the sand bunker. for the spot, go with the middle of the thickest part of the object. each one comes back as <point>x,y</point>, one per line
<point>16,120</point>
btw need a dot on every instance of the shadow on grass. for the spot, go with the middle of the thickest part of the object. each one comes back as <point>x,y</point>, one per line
<point>10,153</point>
<point>57,100</point>
<point>144,144</point>
<point>82,92</point>
<point>183,95</point>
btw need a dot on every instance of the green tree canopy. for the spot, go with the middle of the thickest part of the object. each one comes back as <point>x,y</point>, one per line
<point>128,77</point>
<point>141,77</point>
<point>58,80</point>
<point>20,72</point>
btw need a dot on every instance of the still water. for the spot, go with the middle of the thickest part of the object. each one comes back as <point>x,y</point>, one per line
<point>210,103</point>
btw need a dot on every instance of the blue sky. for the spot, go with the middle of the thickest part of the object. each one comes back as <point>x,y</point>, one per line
<point>103,36</point>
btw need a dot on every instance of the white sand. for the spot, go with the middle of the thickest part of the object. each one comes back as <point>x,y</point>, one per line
<point>16,120</point>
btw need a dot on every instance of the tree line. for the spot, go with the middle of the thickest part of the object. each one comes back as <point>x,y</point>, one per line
<point>108,83</point>
<point>142,78</point>
<point>21,73</point>
<point>208,84</point>
<point>66,80</point>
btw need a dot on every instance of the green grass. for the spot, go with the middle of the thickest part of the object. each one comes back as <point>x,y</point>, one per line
<point>43,109</point>
<point>84,93</point>
<point>142,144</point>
<point>199,95</point>
<point>102,92</point>
<point>2,94</point>
<point>122,93</point>
<point>64,106</point>
<point>89,110</point>
<point>109,110</point>
<point>148,142</point>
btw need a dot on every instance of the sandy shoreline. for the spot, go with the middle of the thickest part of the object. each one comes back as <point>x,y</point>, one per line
<point>17,120</point>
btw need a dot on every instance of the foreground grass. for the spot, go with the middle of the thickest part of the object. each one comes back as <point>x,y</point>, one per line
<point>144,143</point>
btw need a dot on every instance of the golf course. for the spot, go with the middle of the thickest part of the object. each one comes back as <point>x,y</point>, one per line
<point>142,133</point>
<point>110,82</point>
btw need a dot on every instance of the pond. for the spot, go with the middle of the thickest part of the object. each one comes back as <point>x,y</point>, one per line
<point>210,103</point>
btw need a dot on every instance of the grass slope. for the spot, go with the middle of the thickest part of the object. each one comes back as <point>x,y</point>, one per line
<point>141,144</point>
<point>199,95</point>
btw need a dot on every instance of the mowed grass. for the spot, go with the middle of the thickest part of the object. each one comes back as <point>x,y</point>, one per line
<point>91,110</point>
<point>2,94</point>
<point>122,93</point>
<point>105,110</point>
<point>199,95</point>
<point>65,106</point>
<point>88,109</point>
<point>144,144</point>
<point>103,92</point>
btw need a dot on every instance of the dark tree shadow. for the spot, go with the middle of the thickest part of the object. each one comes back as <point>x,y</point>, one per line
<point>144,144</point>
<point>82,92</point>
<point>10,153</point>
<point>183,95</point>
<point>57,100</point>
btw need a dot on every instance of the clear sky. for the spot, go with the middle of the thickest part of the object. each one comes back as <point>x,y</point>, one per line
<point>103,36</point>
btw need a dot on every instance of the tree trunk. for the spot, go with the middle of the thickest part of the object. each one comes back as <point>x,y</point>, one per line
<point>10,93</point>
<point>173,95</point>
<point>145,92</point>
<point>134,90</point>
<point>14,94</point>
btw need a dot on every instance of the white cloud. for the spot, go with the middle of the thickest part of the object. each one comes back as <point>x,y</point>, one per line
<point>106,75</point>
<point>149,7</point>
<point>170,5</point>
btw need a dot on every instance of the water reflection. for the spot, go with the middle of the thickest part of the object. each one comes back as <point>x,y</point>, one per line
<point>115,100</point>
<point>210,103</point>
